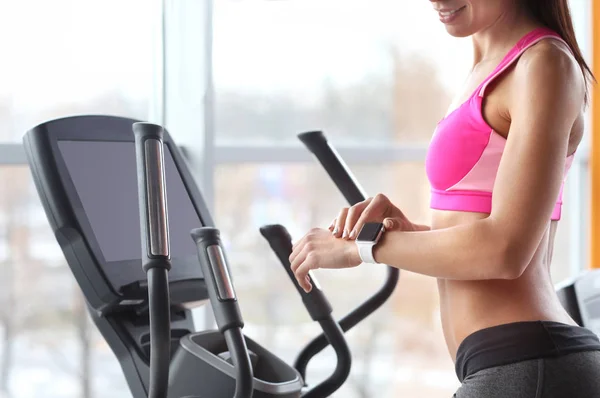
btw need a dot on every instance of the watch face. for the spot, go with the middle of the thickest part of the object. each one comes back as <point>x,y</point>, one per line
<point>369,232</point>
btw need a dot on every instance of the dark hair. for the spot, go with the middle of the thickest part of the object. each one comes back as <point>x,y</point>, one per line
<point>555,14</point>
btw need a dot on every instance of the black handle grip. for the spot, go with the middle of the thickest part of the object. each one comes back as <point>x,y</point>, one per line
<point>315,301</point>
<point>334,165</point>
<point>319,309</point>
<point>152,199</point>
<point>225,305</point>
<point>152,195</point>
<point>218,278</point>
<point>317,143</point>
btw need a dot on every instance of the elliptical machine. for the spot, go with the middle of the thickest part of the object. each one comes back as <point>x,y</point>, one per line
<point>208,360</point>
<point>195,365</point>
<point>83,170</point>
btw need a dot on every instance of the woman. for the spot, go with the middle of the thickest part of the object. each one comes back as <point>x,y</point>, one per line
<point>496,164</point>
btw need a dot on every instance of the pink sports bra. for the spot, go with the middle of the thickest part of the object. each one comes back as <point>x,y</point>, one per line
<point>464,153</point>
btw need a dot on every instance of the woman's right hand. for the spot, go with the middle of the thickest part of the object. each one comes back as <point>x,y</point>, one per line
<point>348,223</point>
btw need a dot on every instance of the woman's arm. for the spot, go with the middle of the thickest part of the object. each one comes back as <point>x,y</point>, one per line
<point>543,110</point>
<point>546,101</point>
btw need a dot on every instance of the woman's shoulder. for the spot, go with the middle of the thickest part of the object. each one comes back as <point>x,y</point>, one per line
<point>549,67</point>
<point>551,58</point>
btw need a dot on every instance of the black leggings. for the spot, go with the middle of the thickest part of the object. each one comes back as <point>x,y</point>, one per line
<point>529,360</point>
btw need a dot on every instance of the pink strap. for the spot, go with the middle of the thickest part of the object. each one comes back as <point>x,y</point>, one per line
<point>513,55</point>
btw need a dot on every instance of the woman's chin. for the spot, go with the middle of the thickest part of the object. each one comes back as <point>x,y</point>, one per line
<point>458,31</point>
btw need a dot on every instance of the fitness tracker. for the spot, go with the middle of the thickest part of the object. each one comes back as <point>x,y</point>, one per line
<point>367,238</point>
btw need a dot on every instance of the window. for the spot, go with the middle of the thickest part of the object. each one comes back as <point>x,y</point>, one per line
<point>60,58</point>
<point>359,70</point>
<point>69,57</point>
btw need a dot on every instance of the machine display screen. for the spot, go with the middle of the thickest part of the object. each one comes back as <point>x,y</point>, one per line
<point>105,179</point>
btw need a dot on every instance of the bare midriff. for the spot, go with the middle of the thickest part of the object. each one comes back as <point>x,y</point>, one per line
<point>469,306</point>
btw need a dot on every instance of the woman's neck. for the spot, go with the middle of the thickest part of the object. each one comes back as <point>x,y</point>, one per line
<point>493,42</point>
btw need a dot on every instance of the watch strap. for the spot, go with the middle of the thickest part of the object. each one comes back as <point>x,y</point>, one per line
<point>365,251</point>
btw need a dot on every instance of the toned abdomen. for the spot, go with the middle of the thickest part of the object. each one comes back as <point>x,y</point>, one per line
<point>469,306</point>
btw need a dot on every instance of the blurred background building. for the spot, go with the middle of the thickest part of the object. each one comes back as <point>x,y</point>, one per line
<point>234,81</point>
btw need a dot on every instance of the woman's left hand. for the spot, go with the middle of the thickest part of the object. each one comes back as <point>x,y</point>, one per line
<point>320,249</point>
